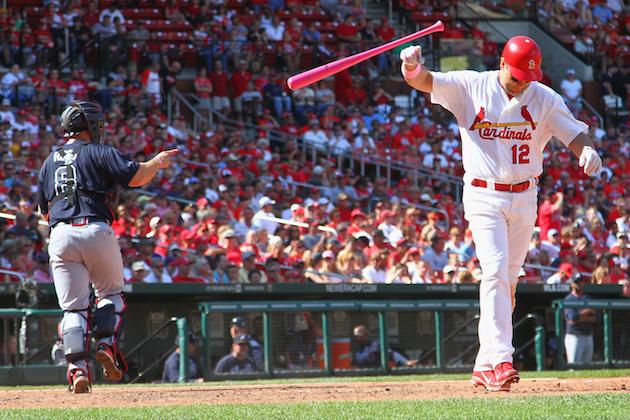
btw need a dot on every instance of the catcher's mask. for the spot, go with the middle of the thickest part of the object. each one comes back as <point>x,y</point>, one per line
<point>84,116</point>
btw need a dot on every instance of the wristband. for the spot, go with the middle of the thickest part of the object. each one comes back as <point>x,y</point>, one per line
<point>409,75</point>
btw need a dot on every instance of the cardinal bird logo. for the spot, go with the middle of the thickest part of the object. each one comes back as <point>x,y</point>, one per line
<point>527,117</point>
<point>481,115</point>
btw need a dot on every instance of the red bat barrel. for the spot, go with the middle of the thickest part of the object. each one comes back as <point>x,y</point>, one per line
<point>308,77</point>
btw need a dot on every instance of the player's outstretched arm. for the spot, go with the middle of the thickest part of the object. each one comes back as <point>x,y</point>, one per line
<point>147,170</point>
<point>584,149</point>
<point>413,70</point>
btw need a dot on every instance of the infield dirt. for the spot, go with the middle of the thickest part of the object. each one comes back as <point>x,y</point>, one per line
<point>137,396</point>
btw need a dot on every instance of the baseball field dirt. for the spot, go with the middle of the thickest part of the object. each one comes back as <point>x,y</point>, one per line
<point>151,395</point>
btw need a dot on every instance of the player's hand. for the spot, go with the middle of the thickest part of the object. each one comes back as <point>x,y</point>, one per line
<point>590,161</point>
<point>164,158</point>
<point>412,55</point>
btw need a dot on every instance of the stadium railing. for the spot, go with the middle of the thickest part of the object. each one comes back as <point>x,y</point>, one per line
<point>316,338</point>
<point>361,161</point>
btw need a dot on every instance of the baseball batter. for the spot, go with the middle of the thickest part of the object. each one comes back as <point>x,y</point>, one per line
<point>75,185</point>
<point>505,118</point>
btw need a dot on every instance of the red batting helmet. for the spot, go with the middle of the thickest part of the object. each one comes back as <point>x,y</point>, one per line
<point>524,57</point>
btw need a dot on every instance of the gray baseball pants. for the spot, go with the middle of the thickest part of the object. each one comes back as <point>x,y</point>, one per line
<point>80,255</point>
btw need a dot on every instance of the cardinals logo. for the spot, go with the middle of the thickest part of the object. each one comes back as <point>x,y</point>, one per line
<point>503,130</point>
<point>481,115</point>
<point>527,116</point>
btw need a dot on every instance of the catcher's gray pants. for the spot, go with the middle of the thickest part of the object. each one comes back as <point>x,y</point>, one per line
<point>80,255</point>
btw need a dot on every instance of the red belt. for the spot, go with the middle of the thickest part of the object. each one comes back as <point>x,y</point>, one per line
<point>520,187</point>
<point>83,221</point>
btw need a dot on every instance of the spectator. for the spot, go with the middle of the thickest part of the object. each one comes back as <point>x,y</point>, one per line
<point>601,275</point>
<point>549,213</point>
<point>364,143</point>
<point>276,96</point>
<point>140,271</point>
<point>435,255</point>
<point>348,30</point>
<point>260,219</point>
<point>183,265</point>
<point>563,275</point>
<point>203,88</point>
<point>274,271</point>
<point>376,271</point>
<point>11,84</point>
<point>389,227</point>
<point>240,81</point>
<point>220,86</point>
<point>552,244</point>
<point>571,89</point>
<point>171,365</point>
<point>578,339</point>
<point>158,273</point>
<point>113,12</point>
<point>315,136</point>
<point>456,244</point>
<point>152,82</point>
<point>220,266</point>
<point>105,30</point>
<point>238,361</point>
<point>275,29</point>
<point>435,156</point>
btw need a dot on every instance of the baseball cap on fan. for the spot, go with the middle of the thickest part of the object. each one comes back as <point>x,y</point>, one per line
<point>265,201</point>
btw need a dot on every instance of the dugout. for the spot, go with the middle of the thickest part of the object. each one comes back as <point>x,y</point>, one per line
<point>152,307</point>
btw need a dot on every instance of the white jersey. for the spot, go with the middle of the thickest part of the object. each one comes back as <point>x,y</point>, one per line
<point>503,139</point>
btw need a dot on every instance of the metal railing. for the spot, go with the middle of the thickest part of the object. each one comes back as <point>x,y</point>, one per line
<point>382,165</point>
<point>324,308</point>
<point>21,332</point>
<point>182,344</point>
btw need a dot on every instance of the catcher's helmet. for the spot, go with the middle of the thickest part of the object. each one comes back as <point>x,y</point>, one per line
<point>523,56</point>
<point>84,116</point>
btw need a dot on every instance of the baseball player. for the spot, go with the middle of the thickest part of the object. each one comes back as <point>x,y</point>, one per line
<point>75,186</point>
<point>505,119</point>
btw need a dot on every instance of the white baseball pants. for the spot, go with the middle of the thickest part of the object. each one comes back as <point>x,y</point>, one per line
<point>501,224</point>
<point>579,348</point>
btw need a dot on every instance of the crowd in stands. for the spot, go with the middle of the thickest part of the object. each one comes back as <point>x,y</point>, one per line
<point>241,206</point>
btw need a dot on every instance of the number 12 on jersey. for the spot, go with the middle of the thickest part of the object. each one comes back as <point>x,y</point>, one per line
<point>520,154</point>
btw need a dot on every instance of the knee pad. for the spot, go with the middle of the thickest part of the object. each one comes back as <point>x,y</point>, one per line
<point>74,328</point>
<point>104,321</point>
<point>108,315</point>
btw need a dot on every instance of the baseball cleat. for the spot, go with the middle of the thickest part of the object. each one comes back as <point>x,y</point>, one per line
<point>80,382</point>
<point>105,356</point>
<point>487,380</point>
<point>505,374</point>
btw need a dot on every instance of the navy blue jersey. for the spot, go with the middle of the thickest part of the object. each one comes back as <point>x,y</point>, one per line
<point>230,364</point>
<point>171,368</point>
<point>97,168</point>
<point>573,314</point>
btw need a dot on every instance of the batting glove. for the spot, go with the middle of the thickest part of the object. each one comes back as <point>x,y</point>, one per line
<point>590,161</point>
<point>412,55</point>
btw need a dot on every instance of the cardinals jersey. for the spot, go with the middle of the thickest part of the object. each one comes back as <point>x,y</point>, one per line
<point>503,138</point>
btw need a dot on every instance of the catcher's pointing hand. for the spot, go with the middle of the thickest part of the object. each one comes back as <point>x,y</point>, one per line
<point>164,157</point>
<point>412,55</point>
<point>590,161</point>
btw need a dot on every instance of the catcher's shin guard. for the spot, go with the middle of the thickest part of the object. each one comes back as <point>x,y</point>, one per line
<point>107,328</point>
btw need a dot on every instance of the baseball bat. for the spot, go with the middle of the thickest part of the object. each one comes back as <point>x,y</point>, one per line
<point>308,77</point>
